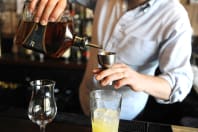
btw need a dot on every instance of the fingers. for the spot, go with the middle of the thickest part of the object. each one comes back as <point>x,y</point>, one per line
<point>97,70</point>
<point>39,12</point>
<point>121,82</point>
<point>116,68</point>
<point>57,11</point>
<point>116,77</point>
<point>47,10</point>
<point>32,5</point>
<point>117,72</point>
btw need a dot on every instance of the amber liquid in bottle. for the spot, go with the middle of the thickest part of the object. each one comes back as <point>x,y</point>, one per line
<point>56,41</point>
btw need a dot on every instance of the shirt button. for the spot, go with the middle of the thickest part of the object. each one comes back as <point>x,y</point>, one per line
<point>145,10</point>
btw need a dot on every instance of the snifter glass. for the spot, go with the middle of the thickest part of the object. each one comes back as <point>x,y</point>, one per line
<point>42,106</point>
<point>53,39</point>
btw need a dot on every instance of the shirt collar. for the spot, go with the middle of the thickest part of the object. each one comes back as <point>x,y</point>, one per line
<point>151,2</point>
<point>145,8</point>
<point>147,5</point>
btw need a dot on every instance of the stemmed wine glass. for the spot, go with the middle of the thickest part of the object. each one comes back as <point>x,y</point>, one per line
<point>42,106</point>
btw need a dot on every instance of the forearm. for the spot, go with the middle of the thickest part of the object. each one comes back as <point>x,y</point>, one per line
<point>155,86</point>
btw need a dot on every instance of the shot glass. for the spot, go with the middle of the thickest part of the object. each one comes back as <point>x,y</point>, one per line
<point>105,108</point>
<point>106,60</point>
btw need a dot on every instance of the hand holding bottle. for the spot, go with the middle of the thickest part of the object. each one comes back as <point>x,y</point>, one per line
<point>47,10</point>
<point>52,39</point>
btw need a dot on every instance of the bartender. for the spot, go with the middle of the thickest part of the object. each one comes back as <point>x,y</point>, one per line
<point>146,35</point>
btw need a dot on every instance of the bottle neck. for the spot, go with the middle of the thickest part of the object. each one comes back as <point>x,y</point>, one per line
<point>80,42</point>
<point>83,42</point>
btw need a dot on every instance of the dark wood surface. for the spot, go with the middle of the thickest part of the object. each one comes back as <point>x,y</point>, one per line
<point>72,123</point>
<point>24,125</point>
<point>16,120</point>
<point>68,122</point>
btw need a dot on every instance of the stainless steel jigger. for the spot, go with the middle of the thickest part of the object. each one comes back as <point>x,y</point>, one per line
<point>106,59</point>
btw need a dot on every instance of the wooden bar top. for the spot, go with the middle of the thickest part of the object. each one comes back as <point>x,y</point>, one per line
<point>71,122</point>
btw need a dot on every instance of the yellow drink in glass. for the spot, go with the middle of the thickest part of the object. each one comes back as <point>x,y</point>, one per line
<point>105,120</point>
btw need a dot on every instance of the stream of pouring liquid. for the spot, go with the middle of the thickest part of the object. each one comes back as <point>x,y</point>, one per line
<point>94,46</point>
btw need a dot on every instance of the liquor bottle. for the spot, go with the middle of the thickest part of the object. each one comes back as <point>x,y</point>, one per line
<point>53,39</point>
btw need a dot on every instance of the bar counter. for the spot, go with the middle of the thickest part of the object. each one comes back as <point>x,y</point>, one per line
<point>17,120</point>
<point>17,70</point>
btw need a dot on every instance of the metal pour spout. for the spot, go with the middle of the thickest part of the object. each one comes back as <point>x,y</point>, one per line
<point>82,42</point>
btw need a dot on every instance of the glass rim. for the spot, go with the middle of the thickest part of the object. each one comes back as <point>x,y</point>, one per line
<point>40,82</point>
<point>106,53</point>
<point>115,93</point>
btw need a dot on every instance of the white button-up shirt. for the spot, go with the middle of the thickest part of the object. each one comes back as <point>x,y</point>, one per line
<point>156,34</point>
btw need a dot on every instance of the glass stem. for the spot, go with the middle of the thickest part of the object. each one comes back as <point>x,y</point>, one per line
<point>42,128</point>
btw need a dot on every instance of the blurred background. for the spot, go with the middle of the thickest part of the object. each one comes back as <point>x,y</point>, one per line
<point>16,70</point>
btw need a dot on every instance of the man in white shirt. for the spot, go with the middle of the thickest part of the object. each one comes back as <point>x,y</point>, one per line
<point>145,34</point>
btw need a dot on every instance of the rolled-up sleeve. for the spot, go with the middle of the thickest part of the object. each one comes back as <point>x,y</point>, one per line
<point>174,56</point>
